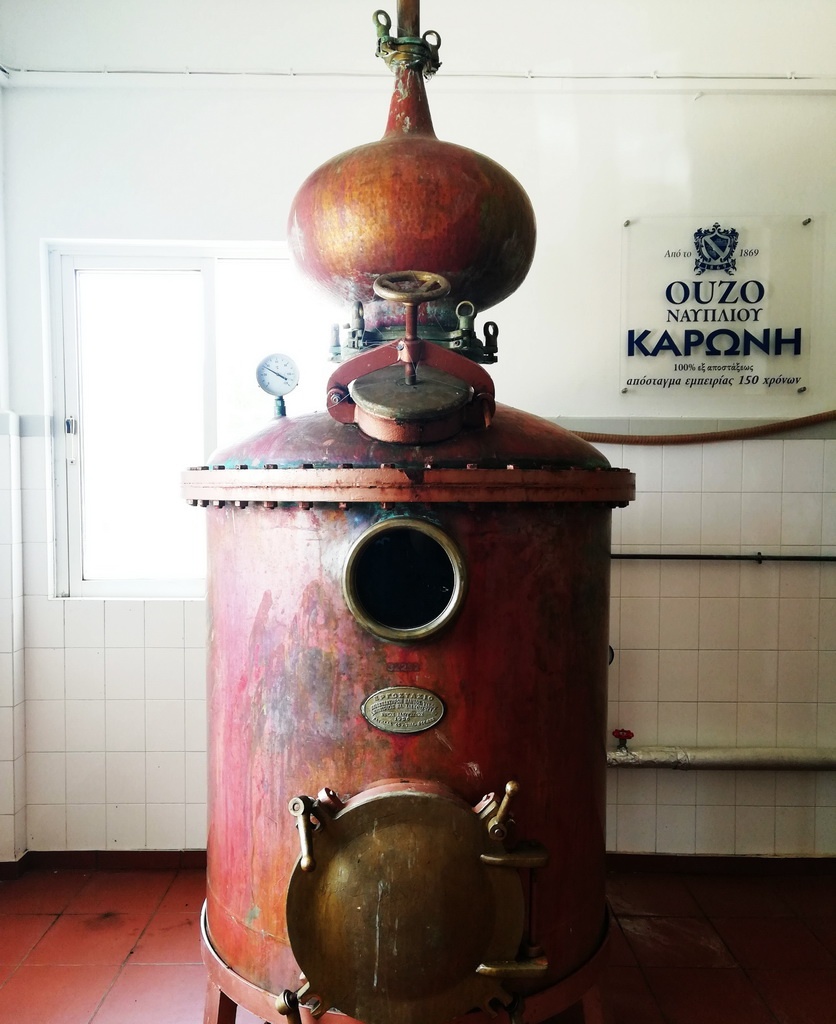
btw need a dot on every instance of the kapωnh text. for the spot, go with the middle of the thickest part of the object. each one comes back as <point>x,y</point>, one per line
<point>715,302</point>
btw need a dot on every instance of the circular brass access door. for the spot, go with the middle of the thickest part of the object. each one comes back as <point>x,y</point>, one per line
<point>400,911</point>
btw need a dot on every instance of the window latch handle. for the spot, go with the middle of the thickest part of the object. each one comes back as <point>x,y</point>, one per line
<point>71,430</point>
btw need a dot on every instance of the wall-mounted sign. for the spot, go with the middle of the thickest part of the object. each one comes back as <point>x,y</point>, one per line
<point>720,305</point>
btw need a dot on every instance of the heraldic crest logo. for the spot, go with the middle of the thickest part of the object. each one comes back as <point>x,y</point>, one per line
<point>715,249</point>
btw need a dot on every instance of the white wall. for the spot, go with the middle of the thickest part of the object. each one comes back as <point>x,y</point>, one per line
<point>114,689</point>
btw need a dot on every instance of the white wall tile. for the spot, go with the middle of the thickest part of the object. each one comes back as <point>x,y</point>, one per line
<point>124,623</point>
<point>682,467</point>
<point>719,617</point>
<point>86,827</point>
<point>798,624</point>
<point>195,625</point>
<point>755,788</point>
<point>7,740</point>
<point>638,676</point>
<point>825,832</point>
<point>85,777</point>
<point>195,712</point>
<point>722,466</point>
<point>721,519</point>
<point>165,724</point>
<point>84,623</point>
<point>195,673</point>
<point>85,721</point>
<point>677,723</point>
<point>716,788</point>
<point>639,623</point>
<point>801,519</point>
<point>679,579</point>
<point>825,789</point>
<point>757,724</point>
<point>800,579</point>
<point>164,673</point>
<point>795,831</point>
<point>795,789</point>
<point>641,717</point>
<point>7,838</point>
<point>34,469</point>
<point>828,523</point>
<point>763,465</point>
<point>716,724</point>
<point>164,624</point>
<point>715,829</point>
<point>637,785</point>
<point>125,725</point>
<point>675,829</point>
<point>19,766</point>
<point>803,465</point>
<point>166,826</point>
<point>7,625</point>
<point>798,673</point>
<point>678,675</point>
<point>758,626</point>
<point>681,522</point>
<point>125,826</point>
<point>7,680</point>
<point>44,725</point>
<point>196,777</point>
<point>636,828</point>
<point>827,624</point>
<point>641,521</point>
<point>826,725</point>
<point>679,623</point>
<point>827,676</point>
<point>84,673</point>
<point>719,579</point>
<point>676,787</point>
<point>125,673</point>
<point>43,622</point>
<point>829,481</point>
<point>196,827</point>
<point>7,788</point>
<point>760,580</point>
<point>125,777</point>
<point>35,568</point>
<point>165,777</point>
<point>45,778</point>
<point>646,462</point>
<point>796,725</point>
<point>46,826</point>
<point>640,578</point>
<point>718,675</point>
<point>754,831</point>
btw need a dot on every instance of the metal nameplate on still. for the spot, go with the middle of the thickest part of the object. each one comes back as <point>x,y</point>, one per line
<point>403,709</point>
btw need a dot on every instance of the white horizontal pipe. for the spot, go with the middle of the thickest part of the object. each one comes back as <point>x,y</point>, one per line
<point>713,758</point>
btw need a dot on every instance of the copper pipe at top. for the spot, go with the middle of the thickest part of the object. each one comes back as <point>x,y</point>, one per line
<point>409,18</point>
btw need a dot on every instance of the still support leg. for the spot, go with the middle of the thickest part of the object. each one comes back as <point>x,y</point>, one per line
<point>219,1009</point>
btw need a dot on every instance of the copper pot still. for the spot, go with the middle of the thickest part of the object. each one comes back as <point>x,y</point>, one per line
<point>407,653</point>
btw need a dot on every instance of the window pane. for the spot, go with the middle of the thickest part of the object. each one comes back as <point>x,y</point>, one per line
<point>142,382</point>
<point>262,306</point>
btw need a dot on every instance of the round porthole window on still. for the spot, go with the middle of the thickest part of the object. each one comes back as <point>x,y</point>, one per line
<point>404,579</point>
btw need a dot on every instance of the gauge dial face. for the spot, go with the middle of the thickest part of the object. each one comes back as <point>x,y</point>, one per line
<point>277,374</point>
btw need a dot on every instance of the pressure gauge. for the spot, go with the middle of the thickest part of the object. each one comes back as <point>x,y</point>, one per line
<point>277,374</point>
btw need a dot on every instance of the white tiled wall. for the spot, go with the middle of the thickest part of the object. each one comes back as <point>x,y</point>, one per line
<point>706,653</point>
<point>12,703</point>
<point>725,653</point>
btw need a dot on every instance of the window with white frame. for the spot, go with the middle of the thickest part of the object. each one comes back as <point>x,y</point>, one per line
<point>154,350</point>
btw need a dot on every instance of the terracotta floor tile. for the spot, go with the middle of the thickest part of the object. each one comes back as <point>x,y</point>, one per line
<point>41,892</point>
<point>170,938</point>
<point>824,928</point>
<point>6,971</point>
<point>797,997</point>
<point>186,893</point>
<point>89,939</point>
<point>155,994</point>
<point>727,896</point>
<point>121,892</point>
<point>657,895</point>
<point>810,896</point>
<point>54,995</point>
<point>19,933</point>
<point>628,998</point>
<point>675,942</point>
<point>620,953</point>
<point>786,944</point>
<point>700,996</point>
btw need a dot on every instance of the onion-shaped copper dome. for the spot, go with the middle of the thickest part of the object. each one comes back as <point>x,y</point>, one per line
<point>410,200</point>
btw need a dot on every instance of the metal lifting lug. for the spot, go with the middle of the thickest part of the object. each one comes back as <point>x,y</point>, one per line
<point>300,807</point>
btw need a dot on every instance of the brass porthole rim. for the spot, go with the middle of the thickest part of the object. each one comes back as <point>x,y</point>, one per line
<point>380,629</point>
